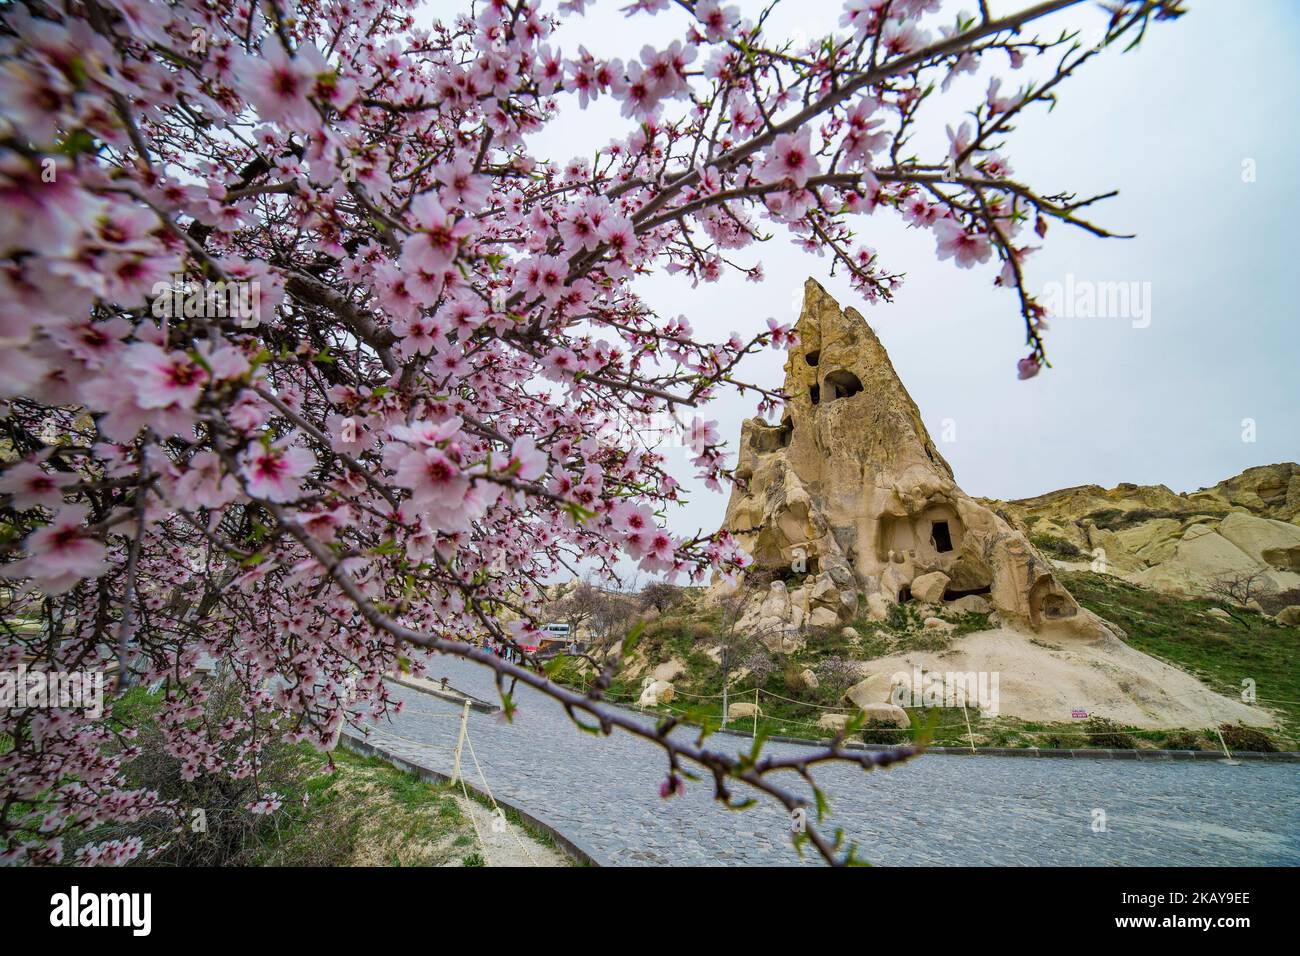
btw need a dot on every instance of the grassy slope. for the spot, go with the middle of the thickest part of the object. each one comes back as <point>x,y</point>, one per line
<point>1173,629</point>
<point>362,811</point>
<point>1221,653</point>
<point>367,813</point>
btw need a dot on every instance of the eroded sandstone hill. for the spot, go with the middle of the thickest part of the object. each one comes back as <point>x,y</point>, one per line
<point>848,502</point>
<point>1183,543</point>
<point>848,507</point>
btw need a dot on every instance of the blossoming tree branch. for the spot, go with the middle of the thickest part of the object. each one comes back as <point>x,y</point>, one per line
<point>312,368</point>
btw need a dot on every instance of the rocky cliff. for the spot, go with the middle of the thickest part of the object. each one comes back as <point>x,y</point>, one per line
<point>1191,543</point>
<point>847,502</point>
<point>847,508</point>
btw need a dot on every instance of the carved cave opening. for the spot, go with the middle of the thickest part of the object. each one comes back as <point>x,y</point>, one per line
<point>813,357</point>
<point>815,393</point>
<point>842,383</point>
<point>953,594</point>
<point>787,431</point>
<point>941,537</point>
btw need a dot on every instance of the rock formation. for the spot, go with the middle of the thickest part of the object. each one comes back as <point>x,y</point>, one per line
<point>847,501</point>
<point>1181,543</point>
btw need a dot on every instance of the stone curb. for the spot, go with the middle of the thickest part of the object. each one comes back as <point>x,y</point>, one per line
<point>571,847</point>
<point>450,694</point>
<point>1088,753</point>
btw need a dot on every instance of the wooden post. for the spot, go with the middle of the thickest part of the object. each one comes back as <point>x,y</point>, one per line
<point>1224,743</point>
<point>755,713</point>
<point>969,732</point>
<point>460,742</point>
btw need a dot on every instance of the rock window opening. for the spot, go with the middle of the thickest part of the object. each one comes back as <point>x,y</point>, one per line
<point>951,594</point>
<point>787,431</point>
<point>815,393</point>
<point>904,595</point>
<point>941,537</point>
<point>813,357</point>
<point>842,384</point>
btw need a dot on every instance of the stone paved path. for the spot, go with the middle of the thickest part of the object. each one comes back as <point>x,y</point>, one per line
<point>603,792</point>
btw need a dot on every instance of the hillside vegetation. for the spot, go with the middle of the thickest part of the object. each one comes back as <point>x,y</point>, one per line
<point>1222,654</point>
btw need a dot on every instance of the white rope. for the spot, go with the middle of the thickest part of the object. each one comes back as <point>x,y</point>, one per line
<point>473,822</point>
<point>495,806</point>
<point>478,834</point>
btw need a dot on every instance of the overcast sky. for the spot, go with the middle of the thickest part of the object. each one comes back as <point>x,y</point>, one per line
<point>1169,125</point>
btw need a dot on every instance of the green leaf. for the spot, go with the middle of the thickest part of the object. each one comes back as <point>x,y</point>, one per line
<point>78,141</point>
<point>630,641</point>
<point>823,807</point>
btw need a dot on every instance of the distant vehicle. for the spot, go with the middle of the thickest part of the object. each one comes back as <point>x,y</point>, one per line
<point>556,638</point>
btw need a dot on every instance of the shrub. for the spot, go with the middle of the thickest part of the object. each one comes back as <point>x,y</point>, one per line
<point>1056,546</point>
<point>230,834</point>
<point>880,732</point>
<point>1247,738</point>
<point>1112,519</point>
<point>836,675</point>
<point>1106,733</point>
<point>1274,601</point>
<point>1182,741</point>
<point>793,679</point>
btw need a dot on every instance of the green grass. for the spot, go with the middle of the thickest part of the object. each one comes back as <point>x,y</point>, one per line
<point>1057,547</point>
<point>1221,653</point>
<point>366,812</point>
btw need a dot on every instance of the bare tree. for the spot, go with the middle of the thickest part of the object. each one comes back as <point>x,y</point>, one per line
<point>611,615</point>
<point>836,675</point>
<point>577,607</point>
<point>1240,587</point>
<point>740,647</point>
<point>660,595</point>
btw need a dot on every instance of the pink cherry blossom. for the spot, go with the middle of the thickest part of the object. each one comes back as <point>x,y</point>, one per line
<point>164,379</point>
<point>790,158</point>
<point>60,554</point>
<point>443,390</point>
<point>1028,367</point>
<point>964,247</point>
<point>30,485</point>
<point>273,471</point>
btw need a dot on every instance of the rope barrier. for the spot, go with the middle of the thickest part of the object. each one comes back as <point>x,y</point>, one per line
<point>460,778</point>
<point>495,806</point>
<point>478,834</point>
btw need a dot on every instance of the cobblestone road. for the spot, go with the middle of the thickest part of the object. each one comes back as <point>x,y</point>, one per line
<point>603,792</point>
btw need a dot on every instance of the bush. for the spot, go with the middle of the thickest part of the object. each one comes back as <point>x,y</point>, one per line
<point>701,631</point>
<point>1274,601</point>
<point>226,833</point>
<point>1247,738</point>
<point>836,675</point>
<point>1056,546</point>
<point>1183,741</point>
<point>1113,519</point>
<point>881,732</point>
<point>1106,733</point>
